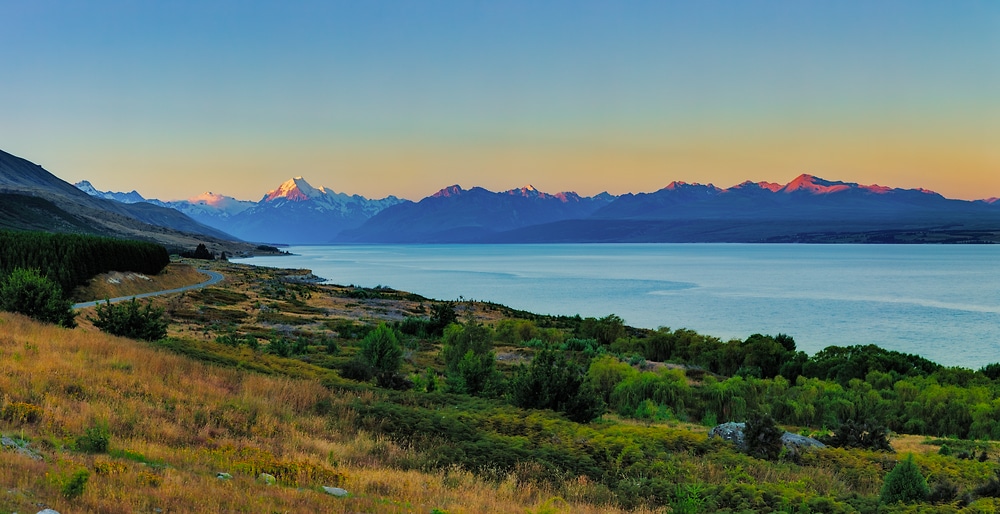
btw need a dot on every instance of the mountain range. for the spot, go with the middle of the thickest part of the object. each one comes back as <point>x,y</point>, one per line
<point>807,209</point>
<point>294,212</point>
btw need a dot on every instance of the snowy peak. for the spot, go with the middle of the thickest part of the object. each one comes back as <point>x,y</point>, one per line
<point>294,190</point>
<point>221,203</point>
<point>757,186</point>
<point>130,197</point>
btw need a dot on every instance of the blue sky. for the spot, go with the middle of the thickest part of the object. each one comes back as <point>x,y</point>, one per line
<point>378,98</point>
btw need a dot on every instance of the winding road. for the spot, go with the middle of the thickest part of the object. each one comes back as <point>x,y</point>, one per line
<point>214,278</point>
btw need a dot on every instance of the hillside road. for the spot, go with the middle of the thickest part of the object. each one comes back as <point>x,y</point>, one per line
<point>214,278</point>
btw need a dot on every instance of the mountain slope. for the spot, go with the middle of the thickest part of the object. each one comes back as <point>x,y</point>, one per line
<point>35,199</point>
<point>294,212</point>
<point>808,208</point>
<point>454,214</point>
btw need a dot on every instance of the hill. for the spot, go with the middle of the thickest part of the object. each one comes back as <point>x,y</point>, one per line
<point>34,199</point>
<point>253,379</point>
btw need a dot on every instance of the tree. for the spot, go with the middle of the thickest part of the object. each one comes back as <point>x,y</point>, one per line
<point>27,292</point>
<point>380,350</point>
<point>552,382</point>
<point>606,330</point>
<point>470,365</point>
<point>442,315</point>
<point>129,319</point>
<point>904,483</point>
<point>762,436</point>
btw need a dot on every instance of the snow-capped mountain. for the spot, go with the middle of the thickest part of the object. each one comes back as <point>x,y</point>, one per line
<point>294,212</point>
<point>132,197</point>
<point>214,204</point>
<point>806,209</point>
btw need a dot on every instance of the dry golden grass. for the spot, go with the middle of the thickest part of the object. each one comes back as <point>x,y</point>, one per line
<point>904,444</point>
<point>174,423</point>
<point>116,283</point>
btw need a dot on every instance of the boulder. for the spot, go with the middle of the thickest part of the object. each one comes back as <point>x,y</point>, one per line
<point>19,446</point>
<point>267,478</point>
<point>336,491</point>
<point>733,432</point>
<point>223,476</point>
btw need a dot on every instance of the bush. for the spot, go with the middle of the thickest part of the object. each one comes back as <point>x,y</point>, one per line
<point>763,437</point>
<point>381,351</point>
<point>95,439</point>
<point>904,483</point>
<point>28,292</point>
<point>868,436</point>
<point>75,485</point>
<point>128,319</point>
<point>552,382</point>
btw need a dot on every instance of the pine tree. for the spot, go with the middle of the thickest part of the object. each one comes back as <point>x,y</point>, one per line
<point>904,483</point>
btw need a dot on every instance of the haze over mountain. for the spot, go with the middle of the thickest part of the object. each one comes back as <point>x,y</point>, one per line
<point>34,199</point>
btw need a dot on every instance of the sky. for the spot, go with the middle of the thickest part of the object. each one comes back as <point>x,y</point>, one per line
<point>406,97</point>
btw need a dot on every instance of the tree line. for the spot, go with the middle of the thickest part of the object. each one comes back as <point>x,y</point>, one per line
<point>70,260</point>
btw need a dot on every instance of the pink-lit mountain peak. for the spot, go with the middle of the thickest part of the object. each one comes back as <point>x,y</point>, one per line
<point>209,198</point>
<point>449,191</point>
<point>748,185</point>
<point>815,185</point>
<point>295,190</point>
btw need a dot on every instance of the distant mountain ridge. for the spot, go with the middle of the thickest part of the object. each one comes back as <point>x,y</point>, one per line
<point>806,209</point>
<point>454,214</point>
<point>294,212</point>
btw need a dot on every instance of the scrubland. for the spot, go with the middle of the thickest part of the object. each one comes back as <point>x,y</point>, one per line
<point>257,376</point>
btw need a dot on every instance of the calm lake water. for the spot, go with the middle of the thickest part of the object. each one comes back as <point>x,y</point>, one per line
<point>942,302</point>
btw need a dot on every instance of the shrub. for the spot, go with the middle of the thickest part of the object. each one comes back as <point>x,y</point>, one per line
<point>904,483</point>
<point>763,437</point>
<point>20,413</point>
<point>867,435</point>
<point>128,319</point>
<point>380,350</point>
<point>552,382</point>
<point>75,485</point>
<point>95,439</point>
<point>28,292</point>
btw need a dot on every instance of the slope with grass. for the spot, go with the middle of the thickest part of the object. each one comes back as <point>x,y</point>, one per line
<point>255,377</point>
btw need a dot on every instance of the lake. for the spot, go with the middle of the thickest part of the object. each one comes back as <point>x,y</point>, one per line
<point>938,301</point>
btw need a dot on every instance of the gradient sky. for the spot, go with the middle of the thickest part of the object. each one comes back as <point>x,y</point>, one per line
<point>174,98</point>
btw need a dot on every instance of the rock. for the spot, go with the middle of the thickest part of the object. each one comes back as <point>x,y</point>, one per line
<point>48,511</point>
<point>336,491</point>
<point>733,432</point>
<point>19,446</point>
<point>223,476</point>
<point>796,441</point>
<point>267,478</point>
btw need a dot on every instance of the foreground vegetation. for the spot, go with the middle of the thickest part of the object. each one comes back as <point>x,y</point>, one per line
<point>413,405</point>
